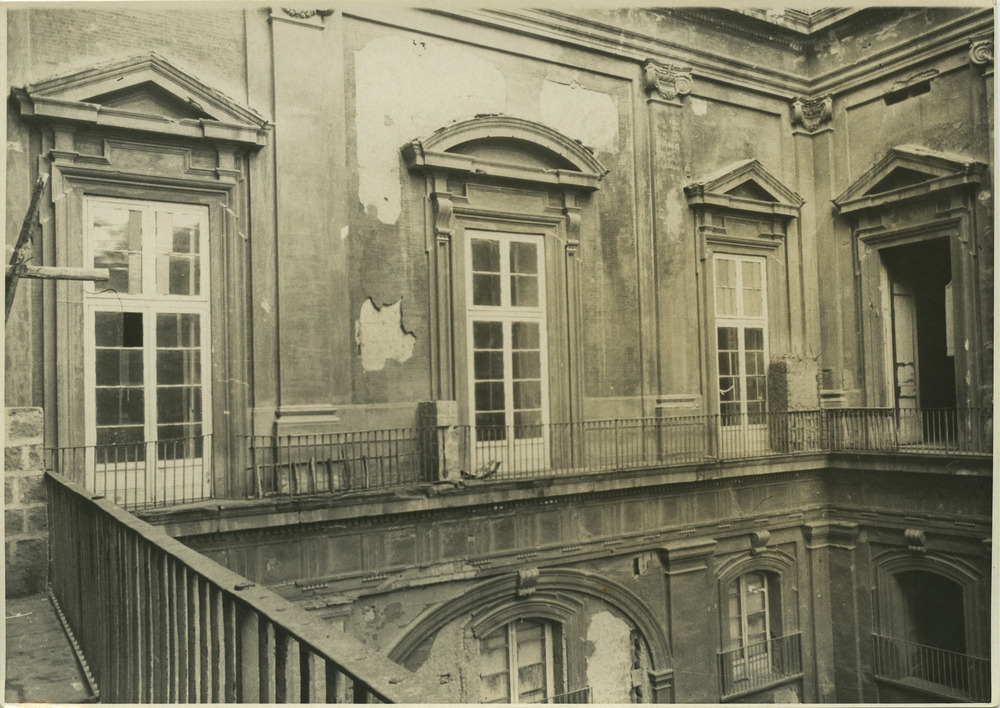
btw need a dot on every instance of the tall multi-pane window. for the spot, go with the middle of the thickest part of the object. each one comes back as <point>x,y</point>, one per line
<point>741,337</point>
<point>506,318</point>
<point>147,349</point>
<point>754,602</point>
<point>521,662</point>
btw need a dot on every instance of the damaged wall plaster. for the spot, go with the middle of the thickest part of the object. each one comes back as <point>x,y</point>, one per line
<point>582,114</point>
<point>430,85</point>
<point>609,667</point>
<point>380,335</point>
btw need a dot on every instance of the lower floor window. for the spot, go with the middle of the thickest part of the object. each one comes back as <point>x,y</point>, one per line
<point>521,662</point>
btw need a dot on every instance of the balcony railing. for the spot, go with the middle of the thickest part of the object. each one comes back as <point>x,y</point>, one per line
<point>168,473</point>
<point>577,697</point>
<point>933,670</point>
<point>757,665</point>
<point>160,623</point>
<point>140,475</point>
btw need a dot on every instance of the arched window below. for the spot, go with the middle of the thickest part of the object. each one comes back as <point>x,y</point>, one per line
<point>923,641</point>
<point>522,662</point>
<point>758,649</point>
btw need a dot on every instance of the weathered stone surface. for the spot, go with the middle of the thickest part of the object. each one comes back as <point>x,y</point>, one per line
<point>24,424</point>
<point>32,490</point>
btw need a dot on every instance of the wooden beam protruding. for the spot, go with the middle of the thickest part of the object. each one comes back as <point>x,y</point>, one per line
<point>98,275</point>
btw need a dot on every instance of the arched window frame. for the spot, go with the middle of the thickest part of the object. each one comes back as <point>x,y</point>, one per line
<point>512,177</point>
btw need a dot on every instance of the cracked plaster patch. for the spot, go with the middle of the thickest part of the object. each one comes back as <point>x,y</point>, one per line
<point>407,88</point>
<point>581,113</point>
<point>380,335</point>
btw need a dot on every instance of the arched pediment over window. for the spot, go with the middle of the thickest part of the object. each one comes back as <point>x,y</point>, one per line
<point>906,172</point>
<point>505,147</point>
<point>144,93</point>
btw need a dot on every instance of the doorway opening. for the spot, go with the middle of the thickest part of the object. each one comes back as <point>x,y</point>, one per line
<point>922,339</point>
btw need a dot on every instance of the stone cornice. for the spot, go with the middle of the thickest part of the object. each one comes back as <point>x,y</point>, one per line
<point>553,25</point>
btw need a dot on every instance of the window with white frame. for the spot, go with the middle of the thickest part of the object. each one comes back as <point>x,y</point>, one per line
<point>741,337</point>
<point>506,329</point>
<point>754,611</point>
<point>521,662</point>
<point>147,348</point>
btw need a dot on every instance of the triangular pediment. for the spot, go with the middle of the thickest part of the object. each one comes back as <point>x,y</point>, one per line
<point>905,172</point>
<point>146,93</point>
<point>150,99</point>
<point>744,186</point>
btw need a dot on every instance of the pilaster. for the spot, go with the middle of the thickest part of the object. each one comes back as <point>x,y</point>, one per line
<point>693,618</point>
<point>831,546</point>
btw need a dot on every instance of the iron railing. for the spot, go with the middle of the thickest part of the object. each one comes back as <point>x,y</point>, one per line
<point>168,473</point>
<point>577,697</point>
<point>931,669</point>
<point>339,462</point>
<point>757,665</point>
<point>160,623</point>
<point>140,475</point>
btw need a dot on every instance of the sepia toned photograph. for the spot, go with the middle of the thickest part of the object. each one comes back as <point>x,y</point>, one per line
<point>499,353</point>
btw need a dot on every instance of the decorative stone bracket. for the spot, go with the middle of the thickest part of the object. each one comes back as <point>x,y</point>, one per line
<point>916,540</point>
<point>981,51</point>
<point>811,113</point>
<point>667,80</point>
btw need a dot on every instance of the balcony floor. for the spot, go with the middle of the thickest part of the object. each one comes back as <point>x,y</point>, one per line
<point>41,665</point>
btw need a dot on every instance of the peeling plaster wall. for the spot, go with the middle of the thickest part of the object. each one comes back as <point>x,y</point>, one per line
<point>582,114</point>
<point>380,335</point>
<point>407,88</point>
<point>609,665</point>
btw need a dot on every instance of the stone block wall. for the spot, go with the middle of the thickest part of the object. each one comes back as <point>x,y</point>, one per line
<point>25,504</point>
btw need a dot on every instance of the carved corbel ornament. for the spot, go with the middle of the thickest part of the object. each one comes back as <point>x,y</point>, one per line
<point>573,222</point>
<point>916,540</point>
<point>759,540</point>
<point>981,51</point>
<point>667,80</point>
<point>811,113</point>
<point>444,216</point>
<point>527,582</point>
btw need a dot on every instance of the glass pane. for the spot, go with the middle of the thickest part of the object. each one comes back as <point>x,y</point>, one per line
<point>178,366</point>
<point>178,404</point>
<point>117,406</point>
<point>485,255</point>
<point>524,290</point>
<point>486,289</point>
<point>488,365</point>
<point>753,338</point>
<point>489,396</point>
<point>116,237</point>
<point>179,442</point>
<point>527,394</point>
<point>525,335</point>
<point>752,295</point>
<point>490,426</point>
<point>178,265</point>
<point>729,338</point>
<point>527,365</point>
<point>487,335</point>
<point>118,329</point>
<point>119,366</point>
<point>725,287</point>
<point>494,667</point>
<point>527,424</point>
<point>530,660</point>
<point>178,330</point>
<point>523,258</point>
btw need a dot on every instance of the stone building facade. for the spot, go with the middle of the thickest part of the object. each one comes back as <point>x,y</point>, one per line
<point>595,353</point>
